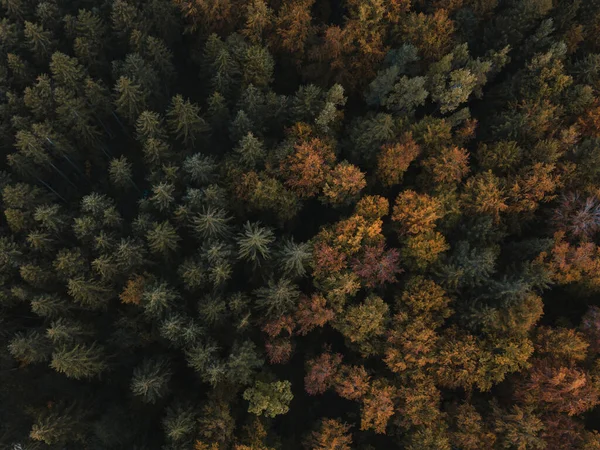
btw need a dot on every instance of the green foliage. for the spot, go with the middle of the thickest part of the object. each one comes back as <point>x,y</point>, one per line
<point>150,380</point>
<point>79,361</point>
<point>269,399</point>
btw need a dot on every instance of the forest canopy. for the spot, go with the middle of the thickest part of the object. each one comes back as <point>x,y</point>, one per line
<point>300,224</point>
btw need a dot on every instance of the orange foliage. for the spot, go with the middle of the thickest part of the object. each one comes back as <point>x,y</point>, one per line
<point>373,207</point>
<point>377,407</point>
<point>331,435</point>
<point>427,299</point>
<point>420,402</point>
<point>306,169</point>
<point>532,186</point>
<point>394,160</point>
<point>276,326</point>
<point>484,194</point>
<point>352,382</point>
<point>424,249</point>
<point>450,166</point>
<point>293,26</point>
<point>132,294</point>
<point>349,235</point>
<point>199,445</point>
<point>471,433</point>
<point>411,342</point>
<point>570,264</point>
<point>312,313</point>
<point>214,15</point>
<point>589,123</point>
<point>557,388</point>
<point>343,183</point>
<point>416,213</point>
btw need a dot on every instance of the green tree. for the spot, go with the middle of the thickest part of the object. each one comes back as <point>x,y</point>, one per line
<point>150,380</point>
<point>254,243</point>
<point>130,99</point>
<point>184,120</point>
<point>269,399</point>
<point>79,361</point>
<point>163,238</point>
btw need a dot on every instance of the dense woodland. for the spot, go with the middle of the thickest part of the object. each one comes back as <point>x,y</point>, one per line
<point>299,224</point>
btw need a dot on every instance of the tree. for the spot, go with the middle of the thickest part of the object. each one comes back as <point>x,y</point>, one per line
<point>150,380</point>
<point>352,382</point>
<point>312,313</point>
<point>30,347</point>
<point>306,169</point>
<point>343,184</point>
<point>377,266</point>
<point>518,428</point>
<point>322,372</point>
<point>183,117</point>
<point>431,34</point>
<point>254,243</point>
<point>120,172</point>
<point>200,168</point>
<point>295,258</point>
<point>39,40</point>
<point>450,166</point>
<point>416,213</point>
<point>163,195</point>
<point>363,323</point>
<point>58,424</point>
<point>163,238</point>
<point>293,26</point>
<point>331,434</point>
<point>89,293</point>
<point>278,297</point>
<point>377,408</point>
<point>394,160</point>
<point>130,98</point>
<point>79,361</point>
<point>211,223</point>
<point>557,388</point>
<point>471,430</point>
<point>269,399</point>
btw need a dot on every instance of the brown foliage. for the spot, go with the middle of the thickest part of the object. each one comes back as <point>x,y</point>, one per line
<point>557,388</point>
<point>293,26</point>
<point>377,407</point>
<point>352,382</point>
<point>373,207</point>
<point>321,374</point>
<point>343,183</point>
<point>450,166</point>
<point>306,169</point>
<point>331,435</point>
<point>279,350</point>
<point>394,160</point>
<point>312,313</point>
<point>132,294</point>
<point>416,213</point>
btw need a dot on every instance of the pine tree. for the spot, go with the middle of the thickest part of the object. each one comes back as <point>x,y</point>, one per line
<point>254,243</point>
<point>150,380</point>
<point>130,99</point>
<point>163,238</point>
<point>79,361</point>
<point>184,120</point>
